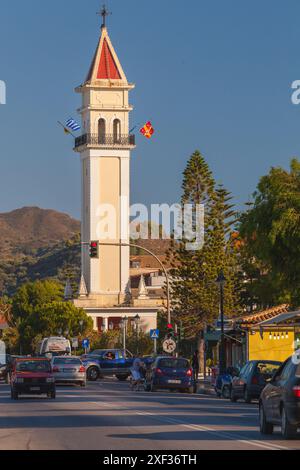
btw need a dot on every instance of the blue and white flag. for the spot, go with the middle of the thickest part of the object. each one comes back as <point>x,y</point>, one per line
<point>72,124</point>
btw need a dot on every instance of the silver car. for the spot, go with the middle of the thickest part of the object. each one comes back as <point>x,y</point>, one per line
<point>68,369</point>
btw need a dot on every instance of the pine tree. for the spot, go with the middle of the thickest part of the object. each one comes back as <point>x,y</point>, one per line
<point>195,296</point>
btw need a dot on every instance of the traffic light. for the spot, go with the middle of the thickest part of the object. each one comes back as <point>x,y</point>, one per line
<point>170,331</point>
<point>94,249</point>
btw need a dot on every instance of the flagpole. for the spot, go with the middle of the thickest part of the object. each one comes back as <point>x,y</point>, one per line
<point>66,130</point>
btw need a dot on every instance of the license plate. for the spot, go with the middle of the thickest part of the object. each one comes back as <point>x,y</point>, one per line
<point>174,381</point>
<point>69,370</point>
<point>34,389</point>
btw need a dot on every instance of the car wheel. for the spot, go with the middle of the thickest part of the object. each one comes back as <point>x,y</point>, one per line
<point>92,374</point>
<point>83,384</point>
<point>226,392</point>
<point>247,396</point>
<point>264,426</point>
<point>233,398</point>
<point>190,390</point>
<point>288,430</point>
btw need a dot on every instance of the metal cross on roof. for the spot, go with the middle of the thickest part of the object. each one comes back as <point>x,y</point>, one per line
<point>104,13</point>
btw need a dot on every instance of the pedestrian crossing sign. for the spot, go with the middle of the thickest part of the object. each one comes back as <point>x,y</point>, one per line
<point>154,334</point>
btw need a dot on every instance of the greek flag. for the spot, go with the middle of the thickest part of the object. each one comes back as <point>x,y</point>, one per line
<point>72,124</point>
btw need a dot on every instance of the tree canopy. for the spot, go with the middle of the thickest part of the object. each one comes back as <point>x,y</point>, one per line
<point>270,230</point>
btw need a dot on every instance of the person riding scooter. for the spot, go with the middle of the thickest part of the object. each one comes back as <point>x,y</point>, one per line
<point>137,374</point>
<point>223,382</point>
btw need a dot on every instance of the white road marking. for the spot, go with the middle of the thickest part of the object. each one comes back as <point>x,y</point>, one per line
<point>222,434</point>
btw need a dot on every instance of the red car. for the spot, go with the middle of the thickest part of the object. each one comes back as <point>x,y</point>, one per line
<point>32,376</point>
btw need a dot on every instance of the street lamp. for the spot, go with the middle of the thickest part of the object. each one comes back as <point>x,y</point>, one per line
<point>222,358</point>
<point>137,319</point>
<point>123,325</point>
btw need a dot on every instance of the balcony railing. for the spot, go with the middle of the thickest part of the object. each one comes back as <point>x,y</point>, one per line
<point>108,140</point>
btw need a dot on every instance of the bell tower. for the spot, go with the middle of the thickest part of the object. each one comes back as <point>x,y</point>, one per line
<point>104,148</point>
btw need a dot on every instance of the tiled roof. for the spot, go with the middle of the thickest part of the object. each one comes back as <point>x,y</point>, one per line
<point>263,315</point>
<point>107,66</point>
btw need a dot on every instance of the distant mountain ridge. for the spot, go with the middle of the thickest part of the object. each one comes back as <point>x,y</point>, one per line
<point>37,244</point>
<point>24,230</point>
<point>43,243</point>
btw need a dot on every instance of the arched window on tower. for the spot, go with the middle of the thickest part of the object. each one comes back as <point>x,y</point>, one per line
<point>117,131</point>
<point>101,131</point>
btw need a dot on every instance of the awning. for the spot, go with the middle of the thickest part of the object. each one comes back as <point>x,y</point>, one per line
<point>282,318</point>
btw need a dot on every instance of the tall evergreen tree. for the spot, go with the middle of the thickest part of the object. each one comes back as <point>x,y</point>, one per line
<point>195,296</point>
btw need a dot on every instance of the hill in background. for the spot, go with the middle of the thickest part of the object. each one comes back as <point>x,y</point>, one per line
<point>37,244</point>
<point>41,244</point>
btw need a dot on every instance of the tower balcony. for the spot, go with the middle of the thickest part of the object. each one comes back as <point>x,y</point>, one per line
<point>107,141</point>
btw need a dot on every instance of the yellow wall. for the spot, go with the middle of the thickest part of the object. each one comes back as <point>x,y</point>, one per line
<point>272,349</point>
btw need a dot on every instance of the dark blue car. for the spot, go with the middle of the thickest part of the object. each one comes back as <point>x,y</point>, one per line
<point>170,373</point>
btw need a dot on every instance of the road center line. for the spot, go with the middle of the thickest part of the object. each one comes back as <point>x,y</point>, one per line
<point>223,434</point>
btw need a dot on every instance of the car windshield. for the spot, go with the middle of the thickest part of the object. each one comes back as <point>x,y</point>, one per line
<point>174,363</point>
<point>98,352</point>
<point>67,360</point>
<point>33,366</point>
<point>266,369</point>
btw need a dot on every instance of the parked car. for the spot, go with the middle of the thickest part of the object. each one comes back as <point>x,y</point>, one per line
<point>32,376</point>
<point>169,373</point>
<point>68,369</point>
<point>251,380</point>
<point>107,362</point>
<point>279,403</point>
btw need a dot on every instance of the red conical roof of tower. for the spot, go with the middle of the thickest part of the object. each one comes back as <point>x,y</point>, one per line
<point>107,67</point>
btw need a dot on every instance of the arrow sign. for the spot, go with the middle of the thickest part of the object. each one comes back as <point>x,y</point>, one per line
<point>154,334</point>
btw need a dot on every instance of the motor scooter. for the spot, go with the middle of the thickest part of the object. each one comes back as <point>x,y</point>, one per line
<point>223,382</point>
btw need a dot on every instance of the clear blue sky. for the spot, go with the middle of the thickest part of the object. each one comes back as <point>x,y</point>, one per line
<point>213,75</point>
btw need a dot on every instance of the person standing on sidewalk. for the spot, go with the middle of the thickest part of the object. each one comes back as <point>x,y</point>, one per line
<point>195,365</point>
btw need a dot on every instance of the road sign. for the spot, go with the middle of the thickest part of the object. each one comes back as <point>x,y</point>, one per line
<point>227,323</point>
<point>169,345</point>
<point>154,334</point>
<point>86,343</point>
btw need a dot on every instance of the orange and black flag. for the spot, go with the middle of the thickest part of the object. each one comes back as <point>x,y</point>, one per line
<point>147,130</point>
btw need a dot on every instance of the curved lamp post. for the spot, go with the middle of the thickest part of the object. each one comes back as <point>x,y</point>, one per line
<point>221,282</point>
<point>133,245</point>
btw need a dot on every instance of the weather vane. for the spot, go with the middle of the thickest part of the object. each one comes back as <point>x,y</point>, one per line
<point>104,13</point>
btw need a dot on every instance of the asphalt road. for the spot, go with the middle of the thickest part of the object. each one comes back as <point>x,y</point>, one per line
<point>108,416</point>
